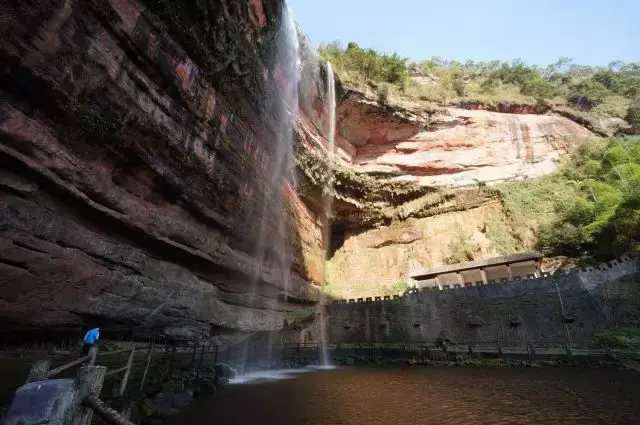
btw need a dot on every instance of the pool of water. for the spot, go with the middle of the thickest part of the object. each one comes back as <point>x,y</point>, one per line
<point>424,395</point>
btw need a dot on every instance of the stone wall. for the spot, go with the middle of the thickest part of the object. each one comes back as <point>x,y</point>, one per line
<point>552,308</point>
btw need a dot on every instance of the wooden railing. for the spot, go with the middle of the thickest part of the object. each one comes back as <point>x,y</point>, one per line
<point>89,374</point>
<point>110,415</point>
<point>41,369</point>
<point>126,369</point>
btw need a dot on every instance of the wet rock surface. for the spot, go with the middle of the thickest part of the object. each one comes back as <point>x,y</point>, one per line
<point>178,391</point>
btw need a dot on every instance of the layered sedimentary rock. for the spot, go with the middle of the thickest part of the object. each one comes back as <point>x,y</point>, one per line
<point>372,262</point>
<point>451,146</point>
<point>138,146</point>
<point>384,225</point>
<point>136,140</point>
<point>396,175</point>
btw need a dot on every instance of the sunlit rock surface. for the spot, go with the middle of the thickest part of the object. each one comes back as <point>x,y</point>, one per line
<point>454,147</point>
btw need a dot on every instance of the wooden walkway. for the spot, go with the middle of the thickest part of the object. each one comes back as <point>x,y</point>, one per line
<point>90,375</point>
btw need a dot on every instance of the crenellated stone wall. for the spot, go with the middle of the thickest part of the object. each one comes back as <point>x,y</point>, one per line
<point>568,305</point>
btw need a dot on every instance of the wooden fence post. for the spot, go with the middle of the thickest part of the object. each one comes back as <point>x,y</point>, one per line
<point>202,350</point>
<point>173,357</point>
<point>610,352</point>
<point>146,368</point>
<point>93,352</point>
<point>215,359</point>
<point>200,361</point>
<point>89,383</point>
<point>39,370</point>
<point>125,377</point>
<point>193,355</point>
<point>567,349</point>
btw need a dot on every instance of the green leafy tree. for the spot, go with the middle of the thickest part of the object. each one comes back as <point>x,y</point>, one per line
<point>370,64</point>
<point>587,94</point>
<point>609,91</point>
<point>538,87</point>
<point>633,116</point>
<point>605,220</point>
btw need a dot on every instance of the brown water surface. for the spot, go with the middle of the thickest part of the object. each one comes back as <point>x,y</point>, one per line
<point>427,395</point>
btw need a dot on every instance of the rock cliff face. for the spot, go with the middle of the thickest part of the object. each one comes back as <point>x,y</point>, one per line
<point>139,141</point>
<point>451,146</point>
<point>136,138</point>
<point>371,263</point>
<point>398,174</point>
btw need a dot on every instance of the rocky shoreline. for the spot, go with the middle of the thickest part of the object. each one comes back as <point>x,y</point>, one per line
<point>168,394</point>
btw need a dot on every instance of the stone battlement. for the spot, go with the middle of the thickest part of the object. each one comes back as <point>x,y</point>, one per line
<point>589,276</point>
<point>570,305</point>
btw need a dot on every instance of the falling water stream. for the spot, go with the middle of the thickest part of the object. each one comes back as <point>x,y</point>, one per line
<point>328,202</point>
<point>272,254</point>
<point>566,328</point>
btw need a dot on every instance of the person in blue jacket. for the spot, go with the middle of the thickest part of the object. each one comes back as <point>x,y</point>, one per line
<point>90,339</point>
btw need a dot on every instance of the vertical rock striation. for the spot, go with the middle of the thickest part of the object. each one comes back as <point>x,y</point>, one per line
<point>135,139</point>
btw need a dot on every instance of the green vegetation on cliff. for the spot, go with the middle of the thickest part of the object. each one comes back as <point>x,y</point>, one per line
<point>624,337</point>
<point>590,207</point>
<point>612,91</point>
<point>354,63</point>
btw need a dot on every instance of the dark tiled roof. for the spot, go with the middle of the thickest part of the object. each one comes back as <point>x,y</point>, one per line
<point>470,265</point>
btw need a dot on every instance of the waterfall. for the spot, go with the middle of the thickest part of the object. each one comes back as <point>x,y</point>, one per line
<point>566,328</point>
<point>331,109</point>
<point>273,254</point>
<point>328,203</point>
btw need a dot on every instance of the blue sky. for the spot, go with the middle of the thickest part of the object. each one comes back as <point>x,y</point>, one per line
<point>591,32</point>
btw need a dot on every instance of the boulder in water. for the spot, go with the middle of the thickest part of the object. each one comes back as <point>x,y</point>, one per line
<point>181,400</point>
<point>223,370</point>
<point>160,405</point>
<point>166,404</point>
